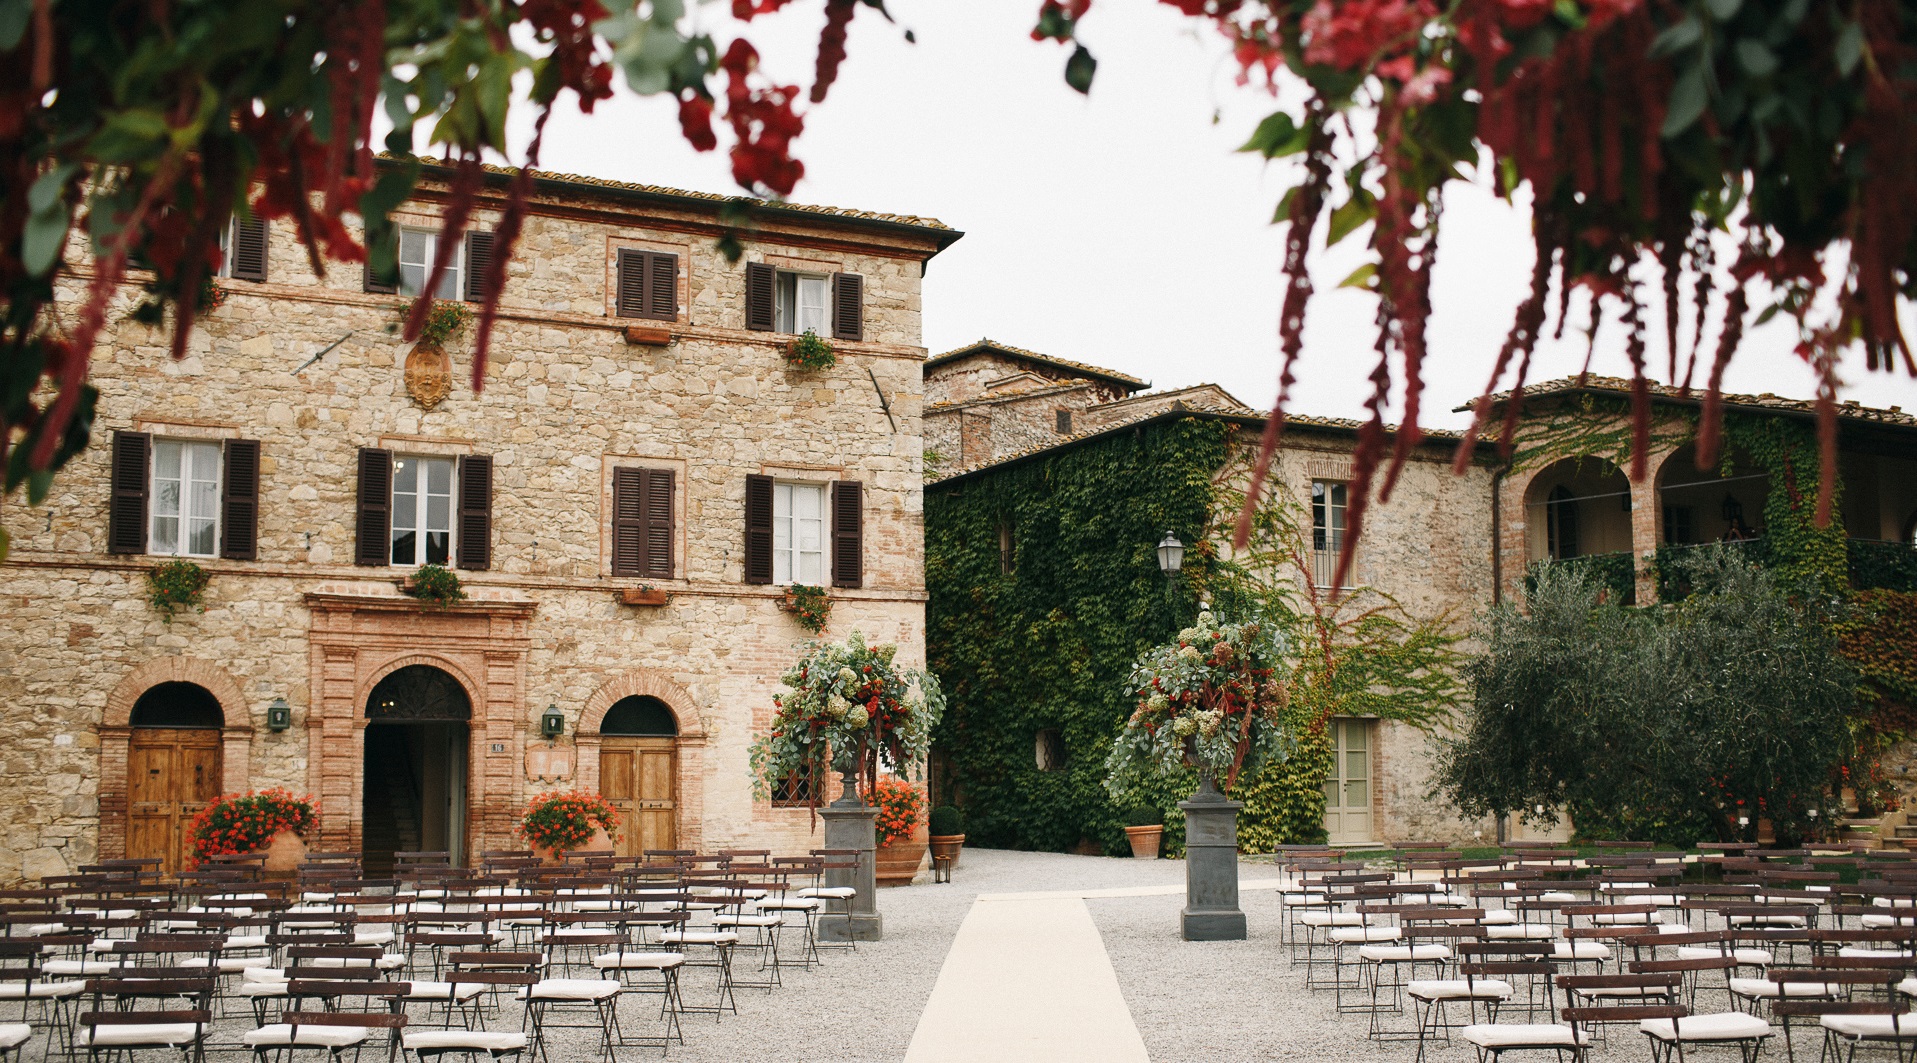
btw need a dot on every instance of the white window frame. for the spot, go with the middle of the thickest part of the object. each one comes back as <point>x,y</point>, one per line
<point>419,527</point>
<point>788,559</point>
<point>790,314</point>
<point>226,249</point>
<point>452,285</point>
<point>183,512</point>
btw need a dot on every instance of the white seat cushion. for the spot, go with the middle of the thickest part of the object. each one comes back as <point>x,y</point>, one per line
<point>1872,1027</point>
<point>1908,987</point>
<point>833,892</point>
<point>699,937</point>
<point>1765,989</point>
<point>1558,897</point>
<point>1522,1035</point>
<point>1722,1026</point>
<point>1403,953</point>
<point>571,989</point>
<point>1298,900</point>
<point>372,937</point>
<point>1316,918</point>
<point>1358,935</point>
<point>1879,922</point>
<point>414,1040</point>
<point>41,990</point>
<point>1856,951</point>
<point>791,904</point>
<point>14,1034</point>
<point>1627,992</point>
<point>638,961</point>
<point>81,968</point>
<point>442,990</point>
<point>1580,949</point>
<point>1520,932</point>
<point>766,921</point>
<point>1627,919</point>
<point>145,1033</point>
<point>280,1033</point>
<point>1747,957</point>
<point>1458,989</point>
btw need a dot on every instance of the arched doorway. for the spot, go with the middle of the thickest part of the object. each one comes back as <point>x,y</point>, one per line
<point>173,769</point>
<point>413,794</point>
<point>638,772</point>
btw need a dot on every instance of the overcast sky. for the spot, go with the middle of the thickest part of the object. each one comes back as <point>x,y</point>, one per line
<point>1120,229</point>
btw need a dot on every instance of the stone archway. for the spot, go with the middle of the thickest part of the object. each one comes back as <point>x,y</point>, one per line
<point>116,732</point>
<point>690,777</point>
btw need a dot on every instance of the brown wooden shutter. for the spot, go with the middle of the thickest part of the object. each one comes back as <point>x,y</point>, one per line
<point>373,530</point>
<point>240,501</point>
<point>662,286</point>
<point>249,249</point>
<point>761,279</point>
<point>628,522</point>
<point>371,283</point>
<point>848,533</point>
<point>630,300</point>
<point>658,518</point>
<point>848,306</point>
<point>479,260</point>
<point>475,546</point>
<point>758,529</point>
<point>126,511</point>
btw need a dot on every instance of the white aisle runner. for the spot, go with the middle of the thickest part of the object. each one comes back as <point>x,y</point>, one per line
<point>1027,981</point>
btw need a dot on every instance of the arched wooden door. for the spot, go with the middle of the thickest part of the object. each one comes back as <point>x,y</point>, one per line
<point>173,770</point>
<point>638,773</point>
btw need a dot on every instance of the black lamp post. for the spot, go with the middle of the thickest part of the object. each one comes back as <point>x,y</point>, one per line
<point>1171,558</point>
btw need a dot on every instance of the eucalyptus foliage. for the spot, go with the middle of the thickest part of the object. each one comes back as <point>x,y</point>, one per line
<point>1666,723</point>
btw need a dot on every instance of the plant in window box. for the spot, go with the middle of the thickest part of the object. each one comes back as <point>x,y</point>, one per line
<point>274,821</point>
<point>810,606</point>
<point>175,585</point>
<point>434,585</point>
<point>212,296</point>
<point>558,822</point>
<point>644,594</point>
<point>1211,701</point>
<point>901,809</point>
<point>808,352</point>
<point>849,706</point>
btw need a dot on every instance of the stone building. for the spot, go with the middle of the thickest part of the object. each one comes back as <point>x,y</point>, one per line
<point>1002,408</point>
<point>640,438</point>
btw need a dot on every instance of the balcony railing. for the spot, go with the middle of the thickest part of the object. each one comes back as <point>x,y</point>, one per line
<point>1615,573</point>
<point>1324,569</point>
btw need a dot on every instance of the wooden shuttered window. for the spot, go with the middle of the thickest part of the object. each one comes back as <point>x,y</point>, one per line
<point>479,261</point>
<point>249,249</point>
<point>373,527</point>
<point>642,523</point>
<point>474,547</point>
<point>848,306</point>
<point>126,511</point>
<point>848,533</point>
<point>758,529</point>
<point>762,282</point>
<point>648,285</point>
<point>240,501</point>
<point>369,282</point>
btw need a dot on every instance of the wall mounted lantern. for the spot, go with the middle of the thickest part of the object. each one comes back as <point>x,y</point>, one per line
<point>279,715</point>
<point>552,723</point>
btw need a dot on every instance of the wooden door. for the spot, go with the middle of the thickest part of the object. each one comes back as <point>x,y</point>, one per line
<point>171,776</point>
<point>636,775</point>
<point>1348,785</point>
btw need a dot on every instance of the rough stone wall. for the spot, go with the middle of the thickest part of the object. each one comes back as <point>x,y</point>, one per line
<point>566,399</point>
<point>972,377</point>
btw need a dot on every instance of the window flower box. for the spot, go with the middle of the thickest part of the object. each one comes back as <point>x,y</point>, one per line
<point>644,596</point>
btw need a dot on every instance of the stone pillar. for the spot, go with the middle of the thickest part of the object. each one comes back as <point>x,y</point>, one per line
<point>1211,866</point>
<point>851,824</point>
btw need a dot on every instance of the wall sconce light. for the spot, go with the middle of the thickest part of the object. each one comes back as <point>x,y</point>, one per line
<point>279,715</point>
<point>552,723</point>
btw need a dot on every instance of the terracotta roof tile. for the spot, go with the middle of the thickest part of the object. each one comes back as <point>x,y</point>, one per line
<point>1850,411</point>
<point>1033,356</point>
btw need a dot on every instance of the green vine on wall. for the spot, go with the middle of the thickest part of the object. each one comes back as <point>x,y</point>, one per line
<point>1798,550</point>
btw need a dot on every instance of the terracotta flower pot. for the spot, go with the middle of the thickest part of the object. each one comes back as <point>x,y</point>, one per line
<point>947,846</point>
<point>285,853</point>
<point>1145,840</point>
<point>898,862</point>
<point>600,842</point>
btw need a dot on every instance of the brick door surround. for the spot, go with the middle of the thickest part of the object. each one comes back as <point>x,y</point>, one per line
<point>116,733</point>
<point>689,748</point>
<point>357,639</point>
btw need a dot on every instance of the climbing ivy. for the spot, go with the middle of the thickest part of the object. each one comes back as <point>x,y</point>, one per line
<point>1797,549</point>
<point>1048,644</point>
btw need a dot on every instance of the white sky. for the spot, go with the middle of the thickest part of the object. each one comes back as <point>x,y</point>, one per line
<point>1121,230</point>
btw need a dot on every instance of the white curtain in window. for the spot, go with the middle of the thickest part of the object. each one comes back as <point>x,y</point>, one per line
<point>186,498</point>
<point>802,303</point>
<point>416,250</point>
<point>798,534</point>
<point>422,510</point>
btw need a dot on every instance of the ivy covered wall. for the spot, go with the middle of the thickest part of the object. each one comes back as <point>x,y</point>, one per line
<point>1048,644</point>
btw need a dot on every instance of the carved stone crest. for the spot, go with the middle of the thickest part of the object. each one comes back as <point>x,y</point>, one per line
<point>429,374</point>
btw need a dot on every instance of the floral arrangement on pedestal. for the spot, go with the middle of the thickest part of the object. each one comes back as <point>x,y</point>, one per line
<point>900,806</point>
<point>1213,700</point>
<point>236,824</point>
<point>563,821</point>
<point>850,707</point>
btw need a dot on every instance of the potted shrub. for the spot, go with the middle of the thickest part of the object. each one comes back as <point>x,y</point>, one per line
<point>810,606</point>
<point>901,809</point>
<point>1144,828</point>
<point>272,820</point>
<point>557,823</point>
<point>947,827</point>
<point>809,352</point>
<point>434,585</point>
<point>175,585</point>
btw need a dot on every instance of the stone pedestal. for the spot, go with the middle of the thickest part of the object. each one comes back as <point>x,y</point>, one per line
<point>1211,866</point>
<point>850,824</point>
